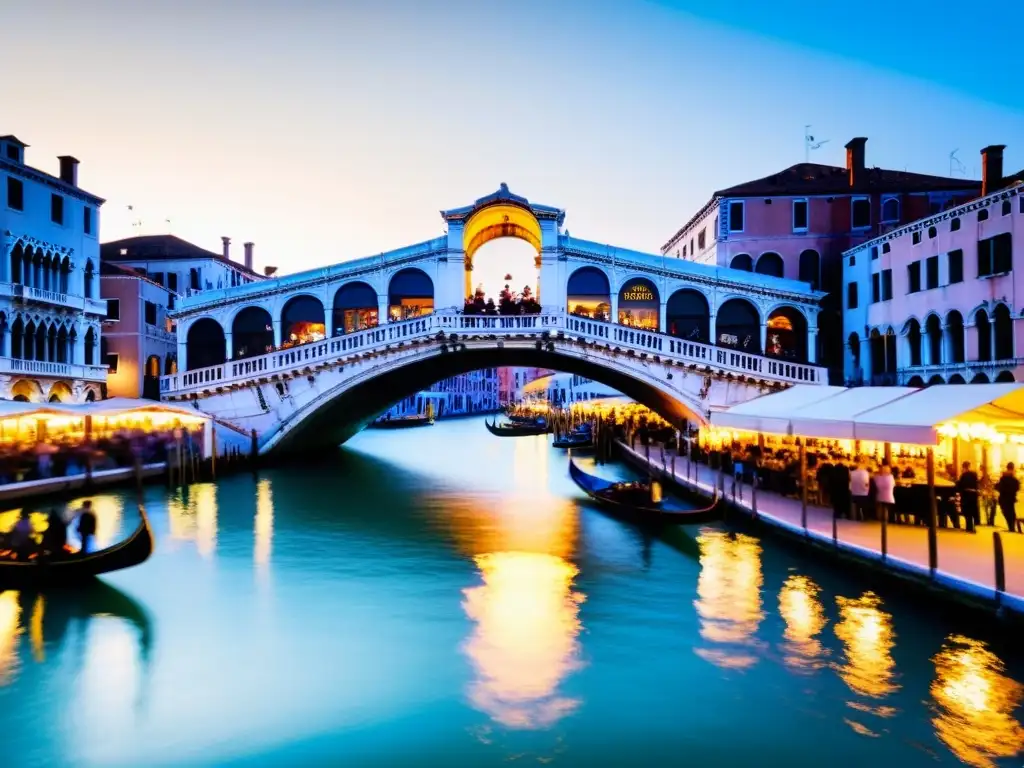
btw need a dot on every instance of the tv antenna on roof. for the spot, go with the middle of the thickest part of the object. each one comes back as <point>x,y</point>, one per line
<point>811,143</point>
<point>956,168</point>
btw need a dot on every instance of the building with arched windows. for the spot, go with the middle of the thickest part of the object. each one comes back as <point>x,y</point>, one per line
<point>50,307</point>
<point>797,222</point>
<point>936,301</point>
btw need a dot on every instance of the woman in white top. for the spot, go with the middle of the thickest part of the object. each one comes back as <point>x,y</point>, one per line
<point>885,485</point>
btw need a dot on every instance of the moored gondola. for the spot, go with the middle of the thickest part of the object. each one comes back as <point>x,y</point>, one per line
<point>404,422</point>
<point>73,569</point>
<point>516,430</point>
<point>640,501</point>
<point>580,438</point>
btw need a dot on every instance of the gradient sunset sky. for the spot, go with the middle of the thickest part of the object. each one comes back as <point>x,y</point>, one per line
<point>325,131</point>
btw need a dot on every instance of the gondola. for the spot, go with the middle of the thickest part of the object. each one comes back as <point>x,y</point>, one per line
<point>402,422</point>
<point>635,501</point>
<point>579,438</point>
<point>73,569</point>
<point>522,419</point>
<point>514,430</point>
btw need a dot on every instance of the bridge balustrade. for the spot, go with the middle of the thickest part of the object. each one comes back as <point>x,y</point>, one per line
<point>669,348</point>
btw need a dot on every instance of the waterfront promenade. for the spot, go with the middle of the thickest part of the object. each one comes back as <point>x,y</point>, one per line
<point>966,561</point>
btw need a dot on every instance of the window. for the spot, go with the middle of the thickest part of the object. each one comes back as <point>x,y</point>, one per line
<point>874,252</point>
<point>931,268</point>
<point>799,215</point>
<point>983,214</point>
<point>891,209</point>
<point>861,212</point>
<point>1021,200</point>
<point>851,295</point>
<point>736,216</point>
<point>150,309</point>
<point>715,229</point>
<point>954,225</point>
<point>56,209</point>
<point>995,255</point>
<point>876,288</point>
<point>932,233</point>
<point>701,240</point>
<point>12,152</point>
<point>157,277</point>
<point>886,248</point>
<point>886,284</point>
<point>956,266</point>
<point>170,301</point>
<point>15,194</point>
<point>914,277</point>
<point>113,309</point>
<point>916,238</point>
<point>111,361</point>
<point>194,279</point>
<point>1007,208</point>
<point>684,251</point>
<point>172,281</point>
<point>87,220</point>
<point>693,251</point>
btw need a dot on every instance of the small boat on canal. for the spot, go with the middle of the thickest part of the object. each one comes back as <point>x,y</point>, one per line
<point>404,422</point>
<point>640,501</point>
<point>580,438</point>
<point>73,569</point>
<point>539,427</point>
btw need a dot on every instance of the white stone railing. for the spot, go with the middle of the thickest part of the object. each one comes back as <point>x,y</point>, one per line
<point>646,343</point>
<point>57,298</point>
<point>45,368</point>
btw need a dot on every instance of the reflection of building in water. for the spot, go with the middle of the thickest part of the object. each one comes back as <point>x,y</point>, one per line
<point>974,703</point>
<point>193,516</point>
<point>805,618</point>
<point>10,631</point>
<point>264,524</point>
<point>729,598</point>
<point>525,642</point>
<point>867,637</point>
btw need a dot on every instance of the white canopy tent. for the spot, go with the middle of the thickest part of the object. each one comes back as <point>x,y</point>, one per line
<point>836,417</point>
<point>772,414</point>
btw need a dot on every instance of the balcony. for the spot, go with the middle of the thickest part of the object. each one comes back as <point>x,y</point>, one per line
<point>966,370</point>
<point>56,370</point>
<point>29,295</point>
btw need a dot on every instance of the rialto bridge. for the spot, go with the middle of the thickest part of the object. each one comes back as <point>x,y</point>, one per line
<point>308,359</point>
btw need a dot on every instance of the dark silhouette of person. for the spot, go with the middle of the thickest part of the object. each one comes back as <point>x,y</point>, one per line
<point>967,487</point>
<point>56,534</point>
<point>1008,487</point>
<point>86,526</point>
<point>839,489</point>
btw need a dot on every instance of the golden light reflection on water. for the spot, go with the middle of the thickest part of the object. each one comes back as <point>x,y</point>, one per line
<point>263,524</point>
<point>974,703</point>
<point>865,631</point>
<point>192,516</point>
<point>804,615</point>
<point>525,642</point>
<point>729,598</point>
<point>10,631</point>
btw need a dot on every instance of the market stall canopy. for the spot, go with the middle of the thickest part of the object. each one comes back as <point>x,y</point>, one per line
<point>16,409</point>
<point>915,419</point>
<point>836,417</point>
<point>772,414</point>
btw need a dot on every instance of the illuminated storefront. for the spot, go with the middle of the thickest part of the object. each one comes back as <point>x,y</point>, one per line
<point>639,305</point>
<point>787,335</point>
<point>302,321</point>
<point>589,295</point>
<point>355,309</point>
<point>410,294</point>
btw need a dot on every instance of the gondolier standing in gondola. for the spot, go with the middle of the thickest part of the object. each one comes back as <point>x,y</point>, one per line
<point>86,526</point>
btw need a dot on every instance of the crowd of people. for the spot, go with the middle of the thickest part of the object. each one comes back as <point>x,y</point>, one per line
<point>25,542</point>
<point>66,457</point>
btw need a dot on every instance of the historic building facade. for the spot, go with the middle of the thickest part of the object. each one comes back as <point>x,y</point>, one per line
<point>50,306</point>
<point>796,224</point>
<point>936,301</point>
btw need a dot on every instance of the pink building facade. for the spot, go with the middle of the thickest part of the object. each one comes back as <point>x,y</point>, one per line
<point>941,300</point>
<point>797,223</point>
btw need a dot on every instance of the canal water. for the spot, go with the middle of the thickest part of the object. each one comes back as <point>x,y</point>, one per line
<point>439,596</point>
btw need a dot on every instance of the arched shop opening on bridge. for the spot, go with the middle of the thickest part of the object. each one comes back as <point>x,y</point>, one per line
<point>738,326</point>
<point>302,321</point>
<point>639,304</point>
<point>689,316</point>
<point>355,309</point>
<point>588,294</point>
<point>787,335</point>
<point>410,294</point>
<point>252,333</point>
<point>205,344</point>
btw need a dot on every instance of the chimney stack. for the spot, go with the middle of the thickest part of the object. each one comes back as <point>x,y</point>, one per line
<point>248,256</point>
<point>227,247</point>
<point>855,159</point>
<point>68,170</point>
<point>991,168</point>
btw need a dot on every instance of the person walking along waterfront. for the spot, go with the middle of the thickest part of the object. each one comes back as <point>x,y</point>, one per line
<point>967,487</point>
<point>1008,487</point>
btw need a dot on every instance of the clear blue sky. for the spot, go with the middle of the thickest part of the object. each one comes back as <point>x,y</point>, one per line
<point>331,130</point>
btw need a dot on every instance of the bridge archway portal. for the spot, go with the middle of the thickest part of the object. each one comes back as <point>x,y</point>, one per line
<point>496,221</point>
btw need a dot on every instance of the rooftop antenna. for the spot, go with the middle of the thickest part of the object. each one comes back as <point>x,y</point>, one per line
<point>956,168</point>
<point>811,143</point>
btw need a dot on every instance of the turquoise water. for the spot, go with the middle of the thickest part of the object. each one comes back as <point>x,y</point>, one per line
<point>443,597</point>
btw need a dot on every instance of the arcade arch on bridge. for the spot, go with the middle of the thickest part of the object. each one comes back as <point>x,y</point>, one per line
<point>501,215</point>
<point>252,333</point>
<point>589,294</point>
<point>355,308</point>
<point>302,320</point>
<point>689,316</point>
<point>639,304</point>
<point>738,326</point>
<point>205,343</point>
<point>410,294</point>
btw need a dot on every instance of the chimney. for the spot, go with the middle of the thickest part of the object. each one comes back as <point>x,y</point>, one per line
<point>991,168</point>
<point>248,256</point>
<point>855,159</point>
<point>68,170</point>
<point>269,271</point>
<point>227,247</point>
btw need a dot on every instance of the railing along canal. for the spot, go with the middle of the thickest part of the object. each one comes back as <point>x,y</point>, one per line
<point>607,334</point>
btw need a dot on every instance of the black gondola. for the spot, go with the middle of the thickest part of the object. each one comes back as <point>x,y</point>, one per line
<point>74,569</point>
<point>635,501</point>
<point>580,438</point>
<point>516,430</point>
<point>402,422</point>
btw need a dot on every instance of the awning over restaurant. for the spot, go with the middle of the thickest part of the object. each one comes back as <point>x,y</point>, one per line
<point>115,406</point>
<point>773,413</point>
<point>882,414</point>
